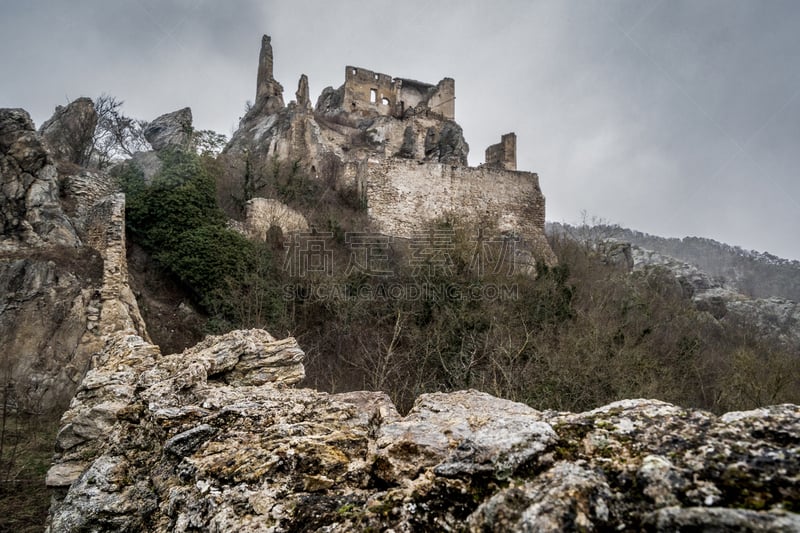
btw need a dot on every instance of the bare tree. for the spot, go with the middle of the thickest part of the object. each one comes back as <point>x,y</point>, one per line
<point>116,135</point>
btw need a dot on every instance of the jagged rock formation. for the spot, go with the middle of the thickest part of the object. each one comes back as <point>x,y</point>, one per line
<point>393,143</point>
<point>63,280</point>
<point>170,130</point>
<point>213,439</point>
<point>269,93</point>
<point>69,132</point>
<point>29,208</point>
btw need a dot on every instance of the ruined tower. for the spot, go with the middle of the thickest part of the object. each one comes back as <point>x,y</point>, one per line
<point>503,154</point>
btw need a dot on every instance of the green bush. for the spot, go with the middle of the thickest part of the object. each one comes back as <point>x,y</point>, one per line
<point>177,219</point>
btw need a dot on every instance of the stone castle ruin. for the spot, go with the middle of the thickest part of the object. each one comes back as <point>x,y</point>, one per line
<point>395,143</point>
<point>371,92</point>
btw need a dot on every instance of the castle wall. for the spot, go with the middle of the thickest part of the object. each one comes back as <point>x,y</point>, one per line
<point>402,196</point>
<point>373,92</point>
<point>365,90</point>
<point>504,153</point>
<point>443,100</point>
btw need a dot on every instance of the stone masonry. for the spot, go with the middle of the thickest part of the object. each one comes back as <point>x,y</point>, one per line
<point>368,91</point>
<point>503,154</point>
<point>394,141</point>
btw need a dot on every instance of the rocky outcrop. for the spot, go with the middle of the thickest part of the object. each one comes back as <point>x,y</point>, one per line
<point>170,131</point>
<point>63,280</point>
<point>214,439</point>
<point>775,317</point>
<point>269,93</point>
<point>69,132</point>
<point>303,100</point>
<point>30,212</point>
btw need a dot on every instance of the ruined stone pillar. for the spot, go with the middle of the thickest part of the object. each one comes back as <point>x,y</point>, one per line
<point>263,82</point>
<point>303,101</point>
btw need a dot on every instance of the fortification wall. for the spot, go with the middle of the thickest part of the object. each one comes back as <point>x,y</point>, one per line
<point>105,232</point>
<point>365,90</point>
<point>504,153</point>
<point>403,195</point>
<point>87,188</point>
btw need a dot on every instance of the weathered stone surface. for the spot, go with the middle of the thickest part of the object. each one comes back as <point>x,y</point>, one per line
<point>69,132</point>
<point>170,130</point>
<point>303,100</point>
<point>261,214</point>
<point>269,93</point>
<point>212,439</point>
<point>30,213</point>
<point>461,433</point>
<point>59,293</point>
<point>721,519</point>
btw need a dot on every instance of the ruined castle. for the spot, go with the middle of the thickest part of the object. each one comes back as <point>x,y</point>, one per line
<point>396,143</point>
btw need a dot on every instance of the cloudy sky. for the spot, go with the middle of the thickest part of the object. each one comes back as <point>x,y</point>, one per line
<point>672,117</point>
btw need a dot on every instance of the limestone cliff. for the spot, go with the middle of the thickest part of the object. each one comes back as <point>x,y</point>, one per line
<point>63,276</point>
<point>215,439</point>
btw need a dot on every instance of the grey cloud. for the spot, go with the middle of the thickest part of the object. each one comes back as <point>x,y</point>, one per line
<point>675,117</point>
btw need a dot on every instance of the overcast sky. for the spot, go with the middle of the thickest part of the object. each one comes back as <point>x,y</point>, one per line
<point>671,117</point>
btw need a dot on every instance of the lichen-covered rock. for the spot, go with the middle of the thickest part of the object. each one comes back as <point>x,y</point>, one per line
<point>170,130</point>
<point>214,439</point>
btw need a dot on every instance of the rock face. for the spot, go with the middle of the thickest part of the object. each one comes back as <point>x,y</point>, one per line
<point>69,132</point>
<point>29,207</point>
<point>63,279</point>
<point>171,130</point>
<point>213,439</point>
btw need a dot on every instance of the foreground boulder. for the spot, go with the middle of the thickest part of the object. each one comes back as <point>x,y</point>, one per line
<point>215,439</point>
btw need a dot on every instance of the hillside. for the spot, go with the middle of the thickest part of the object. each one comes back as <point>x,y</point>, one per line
<point>755,274</point>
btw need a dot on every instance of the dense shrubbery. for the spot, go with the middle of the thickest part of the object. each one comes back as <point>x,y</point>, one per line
<point>177,219</point>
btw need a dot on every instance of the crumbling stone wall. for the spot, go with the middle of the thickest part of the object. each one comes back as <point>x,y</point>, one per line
<point>504,153</point>
<point>87,188</point>
<point>403,195</point>
<point>105,232</point>
<point>262,214</point>
<point>366,91</point>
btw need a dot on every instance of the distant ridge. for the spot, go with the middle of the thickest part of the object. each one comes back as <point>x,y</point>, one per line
<point>755,274</point>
